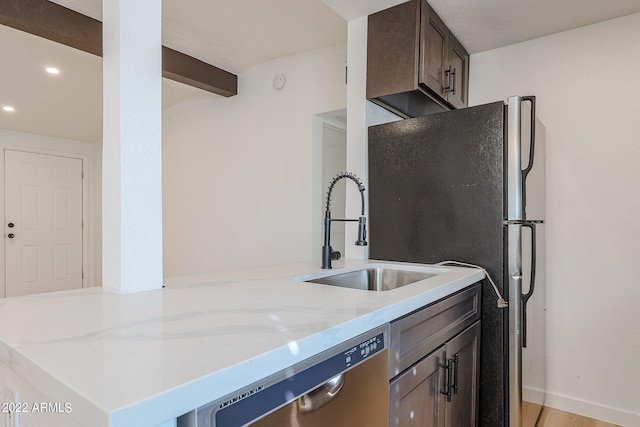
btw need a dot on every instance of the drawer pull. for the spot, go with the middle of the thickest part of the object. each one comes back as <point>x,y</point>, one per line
<point>449,372</point>
<point>454,362</point>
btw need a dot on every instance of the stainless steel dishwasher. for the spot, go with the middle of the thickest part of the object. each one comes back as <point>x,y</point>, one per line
<point>347,385</point>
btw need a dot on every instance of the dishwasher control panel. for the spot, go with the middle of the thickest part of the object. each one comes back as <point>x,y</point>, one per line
<point>363,350</point>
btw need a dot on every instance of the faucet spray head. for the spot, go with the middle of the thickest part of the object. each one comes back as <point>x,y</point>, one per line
<point>362,232</point>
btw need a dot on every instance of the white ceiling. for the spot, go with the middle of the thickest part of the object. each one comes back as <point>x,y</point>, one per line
<point>482,25</point>
<point>488,24</point>
<point>235,35</point>
<point>67,105</point>
<point>238,34</point>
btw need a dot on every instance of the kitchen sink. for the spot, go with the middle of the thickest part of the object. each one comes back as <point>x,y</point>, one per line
<point>374,277</point>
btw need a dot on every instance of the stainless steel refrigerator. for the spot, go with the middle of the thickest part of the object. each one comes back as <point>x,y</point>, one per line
<point>468,185</point>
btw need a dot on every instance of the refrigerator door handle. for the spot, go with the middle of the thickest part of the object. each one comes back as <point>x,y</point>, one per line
<point>532,100</point>
<point>532,281</point>
<point>516,174</point>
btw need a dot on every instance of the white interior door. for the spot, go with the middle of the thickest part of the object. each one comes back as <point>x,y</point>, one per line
<point>43,223</point>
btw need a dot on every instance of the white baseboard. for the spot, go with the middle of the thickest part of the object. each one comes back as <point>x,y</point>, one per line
<point>593,410</point>
<point>533,395</point>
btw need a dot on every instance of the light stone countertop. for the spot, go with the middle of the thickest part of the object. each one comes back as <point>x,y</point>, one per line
<point>142,359</point>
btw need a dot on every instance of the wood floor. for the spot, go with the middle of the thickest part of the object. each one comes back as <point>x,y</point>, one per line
<point>555,418</point>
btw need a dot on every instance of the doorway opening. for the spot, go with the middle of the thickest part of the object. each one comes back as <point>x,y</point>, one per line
<point>329,159</point>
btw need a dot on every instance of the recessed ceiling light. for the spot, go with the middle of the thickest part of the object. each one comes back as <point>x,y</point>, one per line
<point>8,108</point>
<point>53,70</point>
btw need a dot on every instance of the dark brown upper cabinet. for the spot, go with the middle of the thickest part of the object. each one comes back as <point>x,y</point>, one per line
<point>415,65</point>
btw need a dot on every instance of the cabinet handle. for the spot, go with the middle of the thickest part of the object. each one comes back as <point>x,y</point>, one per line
<point>454,362</point>
<point>447,72</point>
<point>453,78</point>
<point>449,372</point>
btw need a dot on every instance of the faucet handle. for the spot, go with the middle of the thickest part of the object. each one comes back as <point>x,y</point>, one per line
<point>335,255</point>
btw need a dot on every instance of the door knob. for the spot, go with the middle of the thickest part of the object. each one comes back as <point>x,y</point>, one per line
<point>11,235</point>
<point>10,225</point>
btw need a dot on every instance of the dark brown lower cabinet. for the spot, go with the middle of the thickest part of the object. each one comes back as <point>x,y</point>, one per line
<point>464,353</point>
<point>442,388</point>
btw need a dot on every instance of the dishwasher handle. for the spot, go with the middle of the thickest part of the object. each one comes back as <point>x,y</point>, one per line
<point>322,395</point>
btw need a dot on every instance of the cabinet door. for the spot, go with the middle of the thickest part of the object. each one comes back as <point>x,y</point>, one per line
<point>434,48</point>
<point>459,63</point>
<point>416,398</point>
<point>464,350</point>
<point>393,38</point>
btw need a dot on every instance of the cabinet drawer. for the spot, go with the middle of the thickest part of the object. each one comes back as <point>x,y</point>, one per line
<point>421,332</point>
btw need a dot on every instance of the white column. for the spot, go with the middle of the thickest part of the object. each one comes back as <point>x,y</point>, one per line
<point>356,129</point>
<point>132,162</point>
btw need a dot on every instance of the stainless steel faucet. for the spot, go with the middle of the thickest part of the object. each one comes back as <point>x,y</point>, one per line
<point>328,254</point>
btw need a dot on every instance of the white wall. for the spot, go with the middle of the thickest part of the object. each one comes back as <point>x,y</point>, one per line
<point>587,86</point>
<point>58,146</point>
<point>238,172</point>
<point>361,115</point>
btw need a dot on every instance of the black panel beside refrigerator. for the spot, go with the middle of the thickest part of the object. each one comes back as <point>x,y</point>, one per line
<point>459,186</point>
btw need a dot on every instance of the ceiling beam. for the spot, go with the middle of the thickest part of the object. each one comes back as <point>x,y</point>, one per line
<point>193,72</point>
<point>59,24</point>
